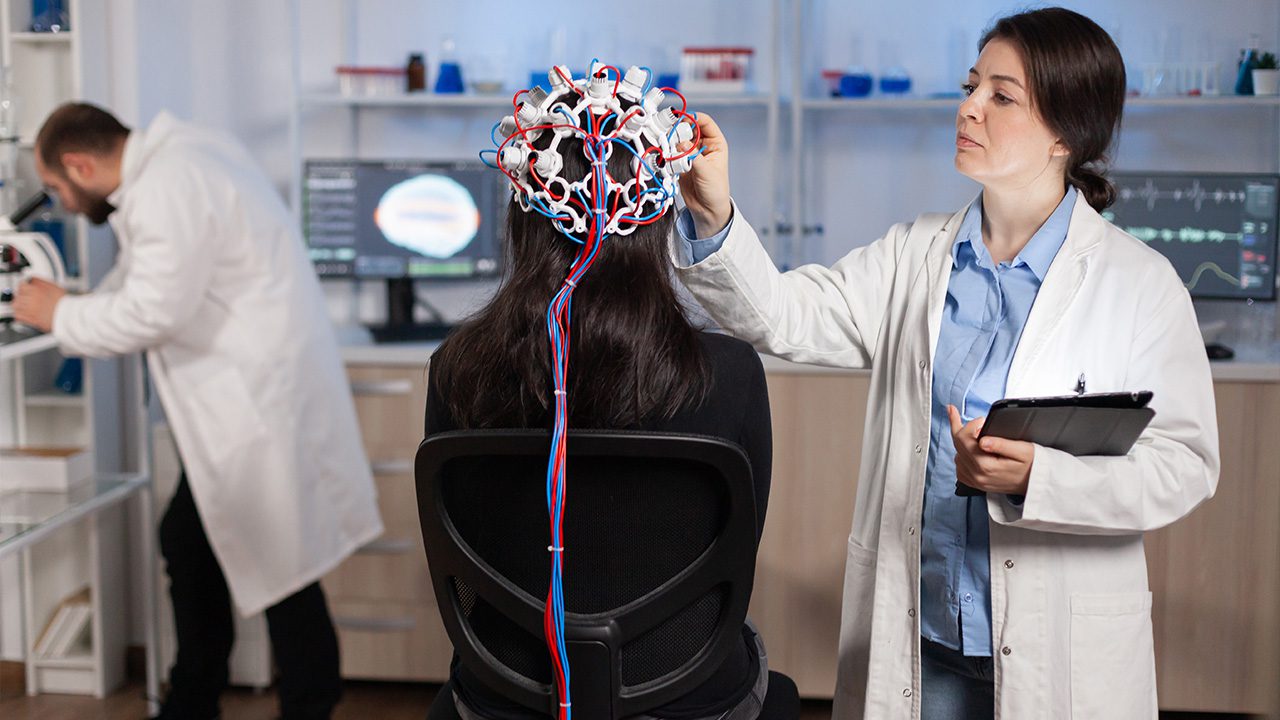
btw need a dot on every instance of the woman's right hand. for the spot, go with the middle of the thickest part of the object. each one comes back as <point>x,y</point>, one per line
<point>705,188</point>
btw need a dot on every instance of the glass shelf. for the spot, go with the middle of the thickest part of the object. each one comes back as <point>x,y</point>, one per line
<point>41,37</point>
<point>919,103</point>
<point>27,515</point>
<point>498,100</point>
<point>16,342</point>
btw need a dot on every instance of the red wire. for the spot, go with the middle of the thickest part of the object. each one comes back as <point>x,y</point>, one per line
<point>568,80</point>
<point>684,104</point>
<point>617,77</point>
<point>625,120</point>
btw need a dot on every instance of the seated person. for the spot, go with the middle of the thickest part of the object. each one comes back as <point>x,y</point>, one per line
<point>637,362</point>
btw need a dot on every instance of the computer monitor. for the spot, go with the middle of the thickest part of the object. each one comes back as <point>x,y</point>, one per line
<point>402,218</point>
<point>402,221</point>
<point>1218,230</point>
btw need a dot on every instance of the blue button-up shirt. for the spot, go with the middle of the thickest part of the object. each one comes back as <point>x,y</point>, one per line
<point>986,308</point>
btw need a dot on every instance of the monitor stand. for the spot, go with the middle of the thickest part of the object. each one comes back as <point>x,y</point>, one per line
<point>400,326</point>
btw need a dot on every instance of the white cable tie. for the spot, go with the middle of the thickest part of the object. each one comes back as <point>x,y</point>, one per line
<point>568,704</point>
<point>561,392</point>
<point>552,548</point>
<point>570,283</point>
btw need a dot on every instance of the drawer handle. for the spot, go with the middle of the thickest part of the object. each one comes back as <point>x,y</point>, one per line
<point>388,547</point>
<point>399,624</point>
<point>391,467</point>
<point>381,387</point>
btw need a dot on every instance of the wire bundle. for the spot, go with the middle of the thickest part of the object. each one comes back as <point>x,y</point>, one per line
<point>588,212</point>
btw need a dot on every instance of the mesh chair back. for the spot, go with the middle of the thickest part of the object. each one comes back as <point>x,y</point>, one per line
<point>660,537</point>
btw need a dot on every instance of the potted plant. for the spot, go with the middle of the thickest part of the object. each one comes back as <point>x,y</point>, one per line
<point>1266,77</point>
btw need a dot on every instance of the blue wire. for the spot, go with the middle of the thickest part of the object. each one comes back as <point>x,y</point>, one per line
<point>612,116</point>
<point>632,150</point>
<point>648,80</point>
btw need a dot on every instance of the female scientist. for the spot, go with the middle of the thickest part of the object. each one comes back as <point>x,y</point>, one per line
<point>1031,601</point>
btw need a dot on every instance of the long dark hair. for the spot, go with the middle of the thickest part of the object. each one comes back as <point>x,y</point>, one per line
<point>634,355</point>
<point>1077,84</point>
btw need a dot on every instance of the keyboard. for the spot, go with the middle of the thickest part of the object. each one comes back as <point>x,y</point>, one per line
<point>417,332</point>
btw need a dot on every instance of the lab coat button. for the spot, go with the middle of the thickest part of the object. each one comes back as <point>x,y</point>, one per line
<point>918,449</point>
<point>906,692</point>
<point>923,364</point>
<point>911,530</point>
<point>911,612</point>
<point>1008,564</point>
<point>1005,650</point>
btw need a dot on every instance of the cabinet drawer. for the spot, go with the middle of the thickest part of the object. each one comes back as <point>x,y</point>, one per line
<point>393,567</point>
<point>390,402</point>
<point>391,641</point>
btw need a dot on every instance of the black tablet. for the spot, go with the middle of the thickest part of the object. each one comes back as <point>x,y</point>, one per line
<point>1093,424</point>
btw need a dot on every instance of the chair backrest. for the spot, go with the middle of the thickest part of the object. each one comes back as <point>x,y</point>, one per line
<point>660,548</point>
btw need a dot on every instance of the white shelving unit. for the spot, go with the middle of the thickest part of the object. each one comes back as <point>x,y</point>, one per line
<point>46,70</point>
<point>767,99</point>
<point>888,109</point>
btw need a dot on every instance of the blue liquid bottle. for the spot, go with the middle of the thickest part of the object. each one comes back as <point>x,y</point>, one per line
<point>1248,62</point>
<point>449,79</point>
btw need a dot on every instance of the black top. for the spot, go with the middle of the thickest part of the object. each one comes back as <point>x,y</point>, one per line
<point>736,409</point>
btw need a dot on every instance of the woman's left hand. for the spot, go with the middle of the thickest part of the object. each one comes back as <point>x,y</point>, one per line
<point>992,464</point>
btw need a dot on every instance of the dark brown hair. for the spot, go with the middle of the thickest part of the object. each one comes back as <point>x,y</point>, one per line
<point>1077,84</point>
<point>78,127</point>
<point>634,355</point>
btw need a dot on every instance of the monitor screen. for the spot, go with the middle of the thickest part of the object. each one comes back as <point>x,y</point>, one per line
<point>403,218</point>
<point>1218,230</point>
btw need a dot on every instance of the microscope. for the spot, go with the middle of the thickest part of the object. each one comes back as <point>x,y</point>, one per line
<point>25,255</point>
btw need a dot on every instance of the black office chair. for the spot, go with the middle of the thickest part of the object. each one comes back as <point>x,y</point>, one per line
<point>660,538</point>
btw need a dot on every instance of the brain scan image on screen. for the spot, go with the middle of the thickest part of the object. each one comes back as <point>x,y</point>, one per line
<point>432,215</point>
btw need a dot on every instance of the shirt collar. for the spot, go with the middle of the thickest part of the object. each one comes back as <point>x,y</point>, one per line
<point>1040,250</point>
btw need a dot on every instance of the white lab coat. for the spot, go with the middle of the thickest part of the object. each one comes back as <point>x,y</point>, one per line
<point>1071,611</point>
<point>213,282</point>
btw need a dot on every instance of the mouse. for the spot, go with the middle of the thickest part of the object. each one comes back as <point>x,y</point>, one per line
<point>1218,351</point>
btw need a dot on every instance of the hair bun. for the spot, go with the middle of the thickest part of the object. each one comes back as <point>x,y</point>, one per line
<point>1097,189</point>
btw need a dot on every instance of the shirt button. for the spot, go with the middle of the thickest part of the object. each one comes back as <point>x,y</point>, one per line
<point>1008,564</point>
<point>1005,650</point>
<point>968,597</point>
<point>906,692</point>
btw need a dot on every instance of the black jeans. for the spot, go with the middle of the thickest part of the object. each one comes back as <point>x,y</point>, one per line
<point>303,640</point>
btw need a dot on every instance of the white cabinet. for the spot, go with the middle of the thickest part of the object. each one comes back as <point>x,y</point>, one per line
<point>104,416</point>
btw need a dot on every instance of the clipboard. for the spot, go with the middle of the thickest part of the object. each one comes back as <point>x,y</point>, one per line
<point>1086,424</point>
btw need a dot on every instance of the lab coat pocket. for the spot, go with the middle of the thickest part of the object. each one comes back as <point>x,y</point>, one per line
<point>855,631</point>
<point>1113,671</point>
<point>224,416</point>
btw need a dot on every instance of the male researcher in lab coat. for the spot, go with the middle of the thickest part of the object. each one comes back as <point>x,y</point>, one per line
<point>213,283</point>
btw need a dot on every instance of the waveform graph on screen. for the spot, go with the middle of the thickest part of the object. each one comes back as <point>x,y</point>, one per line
<point>1219,231</point>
